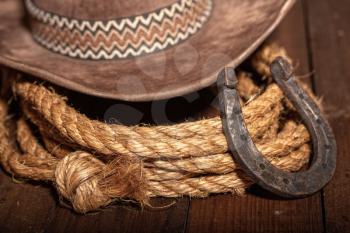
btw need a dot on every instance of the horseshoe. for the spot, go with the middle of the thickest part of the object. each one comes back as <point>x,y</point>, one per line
<point>245,153</point>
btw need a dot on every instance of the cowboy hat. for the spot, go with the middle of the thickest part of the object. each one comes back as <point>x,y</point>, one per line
<point>133,50</point>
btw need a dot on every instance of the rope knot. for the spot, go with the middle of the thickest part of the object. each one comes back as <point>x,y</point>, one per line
<point>90,184</point>
<point>77,178</point>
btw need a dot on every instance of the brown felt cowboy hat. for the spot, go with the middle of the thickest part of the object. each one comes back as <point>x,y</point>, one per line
<point>130,49</point>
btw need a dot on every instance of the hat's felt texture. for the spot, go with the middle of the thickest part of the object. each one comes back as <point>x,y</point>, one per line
<point>234,30</point>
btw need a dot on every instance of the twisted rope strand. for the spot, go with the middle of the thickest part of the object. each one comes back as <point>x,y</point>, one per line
<point>216,164</point>
<point>198,138</point>
<point>92,163</point>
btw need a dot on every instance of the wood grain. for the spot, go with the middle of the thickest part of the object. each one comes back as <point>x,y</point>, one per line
<point>329,32</point>
<point>125,219</point>
<point>25,207</point>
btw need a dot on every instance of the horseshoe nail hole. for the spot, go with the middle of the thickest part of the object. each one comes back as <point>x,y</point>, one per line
<point>324,165</point>
<point>327,147</point>
<point>236,111</point>
<point>243,137</point>
<point>318,120</point>
<point>301,96</point>
<point>262,166</point>
<point>285,180</point>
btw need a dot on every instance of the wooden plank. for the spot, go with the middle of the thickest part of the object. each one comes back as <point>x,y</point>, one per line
<point>121,218</point>
<point>258,213</point>
<point>329,32</point>
<point>24,207</point>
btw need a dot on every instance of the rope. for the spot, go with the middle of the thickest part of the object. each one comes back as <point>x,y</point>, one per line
<point>92,163</point>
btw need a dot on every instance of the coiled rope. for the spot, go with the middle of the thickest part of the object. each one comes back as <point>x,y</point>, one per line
<point>92,163</point>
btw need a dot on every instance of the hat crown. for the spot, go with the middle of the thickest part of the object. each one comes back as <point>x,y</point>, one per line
<point>101,9</point>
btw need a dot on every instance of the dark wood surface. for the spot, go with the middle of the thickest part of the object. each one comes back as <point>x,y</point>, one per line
<point>316,34</point>
<point>329,35</point>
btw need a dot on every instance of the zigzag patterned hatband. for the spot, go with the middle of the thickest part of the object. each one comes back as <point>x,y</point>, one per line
<point>118,38</point>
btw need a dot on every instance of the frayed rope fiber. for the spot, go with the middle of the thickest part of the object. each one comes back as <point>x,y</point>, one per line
<point>92,163</point>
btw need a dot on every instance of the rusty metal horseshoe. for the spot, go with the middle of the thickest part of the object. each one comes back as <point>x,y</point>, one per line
<point>245,153</point>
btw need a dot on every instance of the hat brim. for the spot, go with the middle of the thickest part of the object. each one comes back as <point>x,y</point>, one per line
<point>235,29</point>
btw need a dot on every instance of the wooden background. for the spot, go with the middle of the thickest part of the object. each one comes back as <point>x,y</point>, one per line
<point>316,34</point>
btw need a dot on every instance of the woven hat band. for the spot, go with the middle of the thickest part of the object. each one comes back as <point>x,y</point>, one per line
<point>118,38</point>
